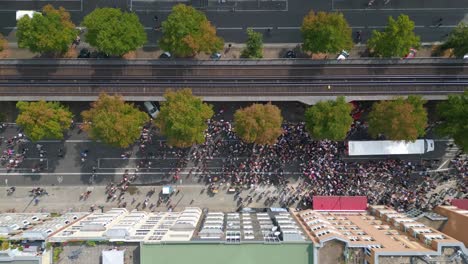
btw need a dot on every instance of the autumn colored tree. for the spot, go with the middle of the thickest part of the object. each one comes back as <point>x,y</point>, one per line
<point>458,40</point>
<point>43,120</point>
<point>395,40</point>
<point>400,119</point>
<point>258,123</point>
<point>183,118</point>
<point>187,32</point>
<point>454,116</point>
<point>49,32</point>
<point>325,33</point>
<point>3,43</point>
<point>113,121</point>
<point>329,119</point>
<point>114,32</point>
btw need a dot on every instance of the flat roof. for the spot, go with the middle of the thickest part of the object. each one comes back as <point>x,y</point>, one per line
<point>256,225</point>
<point>216,253</point>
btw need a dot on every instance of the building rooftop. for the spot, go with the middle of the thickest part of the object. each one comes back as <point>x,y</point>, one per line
<point>120,225</point>
<point>270,226</point>
<point>379,231</point>
<point>14,223</point>
<point>457,223</point>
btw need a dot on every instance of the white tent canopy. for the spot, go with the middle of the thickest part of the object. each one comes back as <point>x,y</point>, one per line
<point>113,256</point>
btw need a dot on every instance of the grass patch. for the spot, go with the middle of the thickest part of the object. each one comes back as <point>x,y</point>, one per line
<point>57,252</point>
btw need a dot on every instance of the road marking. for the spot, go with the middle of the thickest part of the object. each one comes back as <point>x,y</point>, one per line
<point>442,165</point>
<point>260,28</point>
<point>67,141</point>
<point>398,9</point>
<point>289,27</point>
<point>229,28</point>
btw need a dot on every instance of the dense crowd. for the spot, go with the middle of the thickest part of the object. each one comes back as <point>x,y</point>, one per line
<point>321,166</point>
<point>392,182</point>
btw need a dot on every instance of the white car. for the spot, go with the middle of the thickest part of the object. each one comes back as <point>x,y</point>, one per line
<point>151,109</point>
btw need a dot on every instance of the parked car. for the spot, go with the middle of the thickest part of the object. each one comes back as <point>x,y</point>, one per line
<point>84,53</point>
<point>343,55</point>
<point>165,55</point>
<point>215,56</point>
<point>411,54</point>
<point>290,54</point>
<point>151,108</point>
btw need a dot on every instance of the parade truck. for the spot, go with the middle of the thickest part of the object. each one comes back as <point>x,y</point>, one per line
<point>389,147</point>
<point>21,13</point>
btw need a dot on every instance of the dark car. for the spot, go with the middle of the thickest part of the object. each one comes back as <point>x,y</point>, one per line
<point>84,53</point>
<point>99,55</point>
<point>290,54</point>
<point>165,55</point>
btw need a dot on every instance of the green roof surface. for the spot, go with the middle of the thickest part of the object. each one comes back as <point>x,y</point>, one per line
<point>227,254</point>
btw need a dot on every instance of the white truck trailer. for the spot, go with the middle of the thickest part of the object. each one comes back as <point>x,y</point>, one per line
<point>389,147</point>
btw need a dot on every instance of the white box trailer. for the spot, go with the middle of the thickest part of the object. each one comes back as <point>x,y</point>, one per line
<point>21,13</point>
<point>389,147</point>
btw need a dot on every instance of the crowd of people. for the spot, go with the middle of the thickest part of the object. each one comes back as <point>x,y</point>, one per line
<point>321,167</point>
<point>14,152</point>
<point>324,171</point>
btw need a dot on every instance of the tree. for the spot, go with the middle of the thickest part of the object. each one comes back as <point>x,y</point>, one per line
<point>400,119</point>
<point>182,118</point>
<point>49,32</point>
<point>187,32</point>
<point>396,40</point>
<point>454,116</point>
<point>113,121</point>
<point>3,43</point>
<point>43,120</point>
<point>325,33</point>
<point>458,40</point>
<point>254,45</point>
<point>258,123</point>
<point>329,119</point>
<point>114,32</point>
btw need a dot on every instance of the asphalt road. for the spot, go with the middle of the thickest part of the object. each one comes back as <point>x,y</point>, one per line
<point>230,80</point>
<point>69,170</point>
<point>283,17</point>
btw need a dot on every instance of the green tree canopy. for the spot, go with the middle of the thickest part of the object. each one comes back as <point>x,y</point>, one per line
<point>325,33</point>
<point>49,32</point>
<point>454,116</point>
<point>183,118</point>
<point>254,45</point>
<point>458,40</point>
<point>259,123</point>
<point>329,119</point>
<point>114,32</point>
<point>43,120</point>
<point>113,121</point>
<point>400,119</point>
<point>3,43</point>
<point>396,40</point>
<point>187,32</point>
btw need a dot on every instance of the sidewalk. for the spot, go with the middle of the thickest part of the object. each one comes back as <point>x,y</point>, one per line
<point>63,199</point>
<point>270,51</point>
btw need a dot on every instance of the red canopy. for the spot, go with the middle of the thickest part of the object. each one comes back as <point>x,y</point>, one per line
<point>460,203</point>
<point>339,203</point>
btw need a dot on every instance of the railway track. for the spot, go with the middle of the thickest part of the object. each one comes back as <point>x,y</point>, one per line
<point>77,78</point>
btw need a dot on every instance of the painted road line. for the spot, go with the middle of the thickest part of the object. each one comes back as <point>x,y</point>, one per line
<point>119,173</point>
<point>229,28</point>
<point>289,27</point>
<point>397,9</point>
